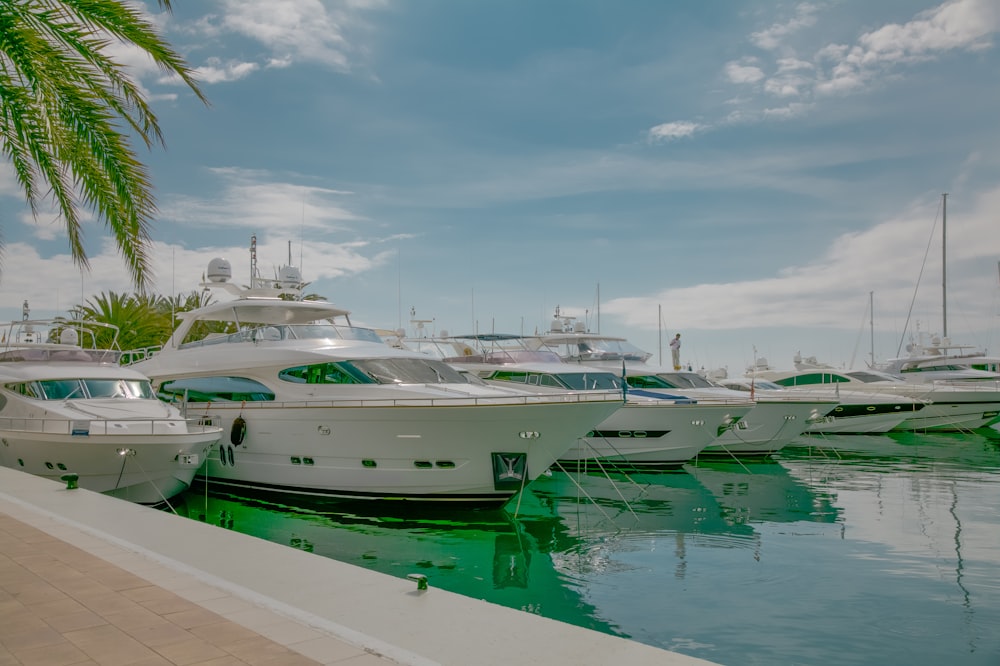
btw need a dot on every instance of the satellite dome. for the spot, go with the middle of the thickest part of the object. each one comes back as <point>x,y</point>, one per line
<point>289,276</point>
<point>68,336</point>
<point>219,270</point>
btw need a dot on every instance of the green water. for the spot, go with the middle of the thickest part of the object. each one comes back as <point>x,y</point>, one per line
<point>841,550</point>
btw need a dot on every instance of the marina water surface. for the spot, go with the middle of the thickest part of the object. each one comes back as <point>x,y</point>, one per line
<point>840,550</point>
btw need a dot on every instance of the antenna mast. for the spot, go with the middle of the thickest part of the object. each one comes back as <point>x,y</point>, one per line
<point>944,265</point>
<point>253,261</point>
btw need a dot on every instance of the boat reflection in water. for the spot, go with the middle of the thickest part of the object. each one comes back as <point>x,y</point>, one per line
<point>843,550</point>
<point>479,552</point>
<point>763,490</point>
<point>542,550</point>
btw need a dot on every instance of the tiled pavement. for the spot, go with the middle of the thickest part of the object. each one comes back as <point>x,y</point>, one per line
<point>60,605</point>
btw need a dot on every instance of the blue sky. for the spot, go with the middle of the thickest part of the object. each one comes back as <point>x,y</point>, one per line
<point>745,173</point>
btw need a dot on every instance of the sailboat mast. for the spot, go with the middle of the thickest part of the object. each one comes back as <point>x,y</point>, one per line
<point>871,322</point>
<point>944,264</point>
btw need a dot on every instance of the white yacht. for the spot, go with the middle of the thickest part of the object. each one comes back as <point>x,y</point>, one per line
<point>767,425</point>
<point>932,359</point>
<point>314,405</point>
<point>860,411</point>
<point>654,428</point>
<point>951,407</point>
<point>70,412</point>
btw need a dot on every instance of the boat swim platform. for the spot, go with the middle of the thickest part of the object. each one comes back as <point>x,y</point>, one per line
<point>90,579</point>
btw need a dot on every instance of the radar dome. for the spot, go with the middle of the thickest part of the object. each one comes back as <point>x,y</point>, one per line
<point>68,336</point>
<point>289,276</point>
<point>219,270</point>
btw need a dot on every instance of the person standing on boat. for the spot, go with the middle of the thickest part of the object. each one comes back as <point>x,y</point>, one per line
<point>675,351</point>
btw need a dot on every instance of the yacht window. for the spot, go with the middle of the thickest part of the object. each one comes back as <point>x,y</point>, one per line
<point>105,388</point>
<point>549,380</point>
<point>324,373</point>
<point>362,334</point>
<point>61,389</point>
<point>510,376</point>
<point>810,378</point>
<point>140,388</point>
<point>589,381</point>
<point>869,377</point>
<point>407,371</point>
<point>215,389</point>
<point>28,389</point>
<point>649,382</point>
<point>328,331</point>
<point>685,380</point>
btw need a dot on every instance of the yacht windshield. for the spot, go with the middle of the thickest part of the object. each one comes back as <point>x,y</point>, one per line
<point>589,381</point>
<point>869,377</point>
<point>590,349</point>
<point>685,380</point>
<point>407,371</point>
<point>78,389</point>
<point>649,382</point>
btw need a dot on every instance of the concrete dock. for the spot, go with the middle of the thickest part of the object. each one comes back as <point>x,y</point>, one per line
<point>89,579</point>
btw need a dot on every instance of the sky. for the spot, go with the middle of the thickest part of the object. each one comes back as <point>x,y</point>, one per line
<point>764,178</point>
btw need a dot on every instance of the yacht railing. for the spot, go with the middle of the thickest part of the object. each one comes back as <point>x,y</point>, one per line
<point>109,427</point>
<point>540,399</point>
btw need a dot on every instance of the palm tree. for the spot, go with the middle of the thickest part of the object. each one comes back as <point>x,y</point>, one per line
<point>139,318</point>
<point>63,101</point>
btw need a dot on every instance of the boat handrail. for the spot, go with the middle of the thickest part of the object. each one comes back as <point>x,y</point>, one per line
<point>140,354</point>
<point>541,398</point>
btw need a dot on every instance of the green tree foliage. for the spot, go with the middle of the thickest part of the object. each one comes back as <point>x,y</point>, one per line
<point>143,320</point>
<point>140,319</point>
<point>66,107</point>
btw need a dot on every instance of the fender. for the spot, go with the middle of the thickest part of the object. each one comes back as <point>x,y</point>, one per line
<point>239,431</point>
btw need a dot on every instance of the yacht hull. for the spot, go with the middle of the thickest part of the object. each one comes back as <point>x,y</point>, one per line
<point>463,450</point>
<point>952,417</point>
<point>866,424</point>
<point>768,428</point>
<point>653,434</point>
<point>145,469</point>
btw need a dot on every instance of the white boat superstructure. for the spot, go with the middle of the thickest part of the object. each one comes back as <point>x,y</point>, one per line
<point>317,406</point>
<point>69,411</point>
<point>773,422</point>
<point>951,407</point>
<point>767,426</point>
<point>860,411</point>
<point>651,429</point>
<point>932,359</point>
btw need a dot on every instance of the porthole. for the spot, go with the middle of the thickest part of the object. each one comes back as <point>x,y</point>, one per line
<point>422,464</point>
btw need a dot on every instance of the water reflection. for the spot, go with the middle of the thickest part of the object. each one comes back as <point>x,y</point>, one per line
<point>481,553</point>
<point>764,490</point>
<point>887,544</point>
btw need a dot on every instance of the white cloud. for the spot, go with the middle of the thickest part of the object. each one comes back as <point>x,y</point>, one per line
<point>252,199</point>
<point>175,269</point>
<point>297,30</point>
<point>216,71</point>
<point>743,72</point>
<point>841,69</point>
<point>957,25</point>
<point>826,295</point>
<point>771,38</point>
<point>674,130</point>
